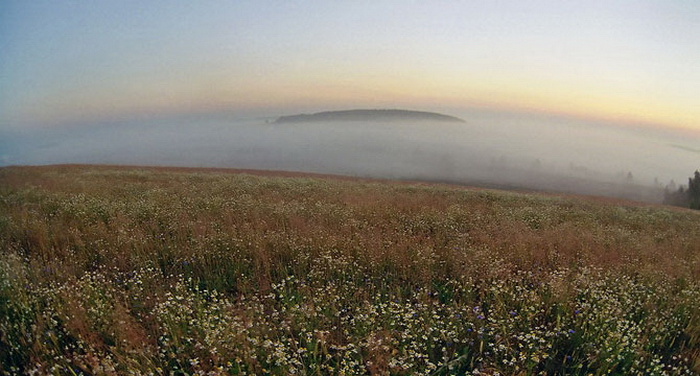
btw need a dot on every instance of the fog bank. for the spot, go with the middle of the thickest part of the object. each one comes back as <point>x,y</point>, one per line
<point>489,149</point>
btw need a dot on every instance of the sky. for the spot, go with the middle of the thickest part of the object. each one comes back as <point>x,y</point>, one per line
<point>75,61</point>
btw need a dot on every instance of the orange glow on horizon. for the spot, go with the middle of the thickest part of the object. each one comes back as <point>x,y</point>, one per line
<point>345,92</point>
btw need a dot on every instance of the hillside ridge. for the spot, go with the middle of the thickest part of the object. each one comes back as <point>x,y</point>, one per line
<point>369,115</point>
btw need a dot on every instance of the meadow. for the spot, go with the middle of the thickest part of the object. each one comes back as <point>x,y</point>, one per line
<point>115,270</point>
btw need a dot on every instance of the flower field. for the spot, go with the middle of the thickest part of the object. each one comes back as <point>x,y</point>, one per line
<point>115,270</point>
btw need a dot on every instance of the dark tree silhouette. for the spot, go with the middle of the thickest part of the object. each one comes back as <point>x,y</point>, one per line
<point>694,191</point>
<point>689,197</point>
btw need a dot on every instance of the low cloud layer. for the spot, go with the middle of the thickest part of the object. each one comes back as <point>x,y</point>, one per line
<point>489,149</point>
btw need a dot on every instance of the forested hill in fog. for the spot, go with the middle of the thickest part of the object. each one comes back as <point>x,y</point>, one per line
<point>369,115</point>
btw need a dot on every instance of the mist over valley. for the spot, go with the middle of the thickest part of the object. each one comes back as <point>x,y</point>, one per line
<point>489,148</point>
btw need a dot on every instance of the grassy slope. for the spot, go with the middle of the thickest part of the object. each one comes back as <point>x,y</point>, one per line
<point>135,270</point>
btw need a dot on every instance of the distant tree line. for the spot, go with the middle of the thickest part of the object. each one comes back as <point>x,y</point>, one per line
<point>686,197</point>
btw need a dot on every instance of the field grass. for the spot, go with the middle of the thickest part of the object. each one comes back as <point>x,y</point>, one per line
<point>109,270</point>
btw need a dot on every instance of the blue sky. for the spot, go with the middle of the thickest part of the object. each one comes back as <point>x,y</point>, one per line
<point>632,61</point>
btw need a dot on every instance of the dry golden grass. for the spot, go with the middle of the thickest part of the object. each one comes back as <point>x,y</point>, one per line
<point>99,264</point>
